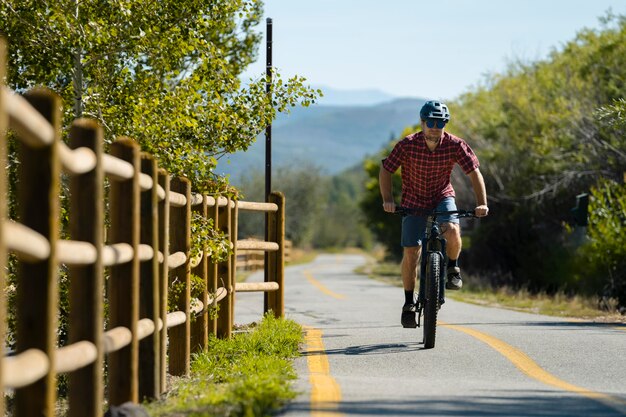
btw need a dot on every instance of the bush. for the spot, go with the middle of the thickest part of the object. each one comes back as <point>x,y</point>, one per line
<point>602,259</point>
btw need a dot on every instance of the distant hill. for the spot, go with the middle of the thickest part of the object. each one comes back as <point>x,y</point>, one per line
<point>331,137</point>
<point>337,97</point>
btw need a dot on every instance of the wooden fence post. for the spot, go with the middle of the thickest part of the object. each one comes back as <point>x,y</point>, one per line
<point>3,205</point>
<point>234,224</point>
<point>200,324</point>
<point>124,280</point>
<point>164,245</point>
<point>224,319</point>
<point>149,363</point>
<point>212,268</point>
<point>37,290</point>
<point>180,234</point>
<point>276,260</point>
<point>86,385</point>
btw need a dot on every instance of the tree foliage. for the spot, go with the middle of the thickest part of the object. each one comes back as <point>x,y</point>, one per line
<point>342,224</point>
<point>542,140</point>
<point>321,211</point>
<point>384,226</point>
<point>165,73</point>
<point>545,132</point>
<point>604,255</point>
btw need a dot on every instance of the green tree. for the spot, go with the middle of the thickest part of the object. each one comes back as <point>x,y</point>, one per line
<point>541,141</point>
<point>385,227</point>
<point>343,224</point>
<point>602,260</point>
<point>544,131</point>
<point>165,73</point>
<point>322,211</point>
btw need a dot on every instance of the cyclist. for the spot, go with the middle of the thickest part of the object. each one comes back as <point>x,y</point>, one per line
<point>426,159</point>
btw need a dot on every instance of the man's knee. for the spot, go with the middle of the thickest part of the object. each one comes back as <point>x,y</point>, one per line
<point>412,254</point>
<point>451,229</point>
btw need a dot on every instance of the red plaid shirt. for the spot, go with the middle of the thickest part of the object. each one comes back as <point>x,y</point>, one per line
<point>426,174</point>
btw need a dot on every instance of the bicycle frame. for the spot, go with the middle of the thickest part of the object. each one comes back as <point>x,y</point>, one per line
<point>433,243</point>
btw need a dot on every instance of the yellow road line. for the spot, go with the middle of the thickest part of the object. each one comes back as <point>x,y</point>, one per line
<point>325,391</point>
<point>533,370</point>
<point>321,286</point>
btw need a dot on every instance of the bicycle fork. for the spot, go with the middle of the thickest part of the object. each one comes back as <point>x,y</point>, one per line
<point>421,297</point>
<point>419,305</point>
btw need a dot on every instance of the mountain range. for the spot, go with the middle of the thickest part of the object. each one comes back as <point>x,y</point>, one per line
<point>331,137</point>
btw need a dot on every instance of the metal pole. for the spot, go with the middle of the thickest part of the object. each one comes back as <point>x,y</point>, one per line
<point>268,151</point>
<point>268,129</point>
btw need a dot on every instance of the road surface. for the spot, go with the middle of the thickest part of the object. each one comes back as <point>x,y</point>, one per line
<point>358,361</point>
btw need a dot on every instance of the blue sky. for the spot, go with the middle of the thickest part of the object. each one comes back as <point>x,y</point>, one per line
<point>433,49</point>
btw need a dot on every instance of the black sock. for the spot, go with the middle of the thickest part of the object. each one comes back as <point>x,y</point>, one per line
<point>408,297</point>
<point>453,263</point>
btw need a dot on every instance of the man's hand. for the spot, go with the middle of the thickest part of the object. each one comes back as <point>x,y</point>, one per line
<point>481,211</point>
<point>389,206</point>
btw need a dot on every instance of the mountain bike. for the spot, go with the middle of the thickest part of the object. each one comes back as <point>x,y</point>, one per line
<point>433,265</point>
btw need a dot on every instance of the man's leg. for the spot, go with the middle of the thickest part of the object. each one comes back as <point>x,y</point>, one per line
<point>409,267</point>
<point>409,275</point>
<point>452,233</point>
<point>412,235</point>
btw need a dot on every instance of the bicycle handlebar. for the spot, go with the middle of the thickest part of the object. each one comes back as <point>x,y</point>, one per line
<point>405,211</point>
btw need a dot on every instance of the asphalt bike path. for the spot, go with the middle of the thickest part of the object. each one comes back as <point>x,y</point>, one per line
<point>358,361</point>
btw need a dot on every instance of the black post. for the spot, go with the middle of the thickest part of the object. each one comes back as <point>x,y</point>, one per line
<point>268,129</point>
<point>268,148</point>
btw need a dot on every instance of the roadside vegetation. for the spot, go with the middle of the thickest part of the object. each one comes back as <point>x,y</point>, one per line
<point>550,138</point>
<point>247,375</point>
<point>479,291</point>
<point>178,92</point>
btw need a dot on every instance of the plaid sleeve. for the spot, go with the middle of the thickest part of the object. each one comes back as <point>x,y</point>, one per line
<point>466,158</point>
<point>394,159</point>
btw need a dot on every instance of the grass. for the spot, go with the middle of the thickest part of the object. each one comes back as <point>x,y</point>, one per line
<point>247,375</point>
<point>298,256</point>
<point>559,304</point>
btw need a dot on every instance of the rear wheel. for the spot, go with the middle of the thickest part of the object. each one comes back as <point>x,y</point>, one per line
<point>431,302</point>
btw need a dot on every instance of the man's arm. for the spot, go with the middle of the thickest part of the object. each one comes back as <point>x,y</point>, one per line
<point>386,190</point>
<point>478,184</point>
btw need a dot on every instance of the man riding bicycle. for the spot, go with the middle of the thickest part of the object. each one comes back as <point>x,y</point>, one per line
<point>426,159</point>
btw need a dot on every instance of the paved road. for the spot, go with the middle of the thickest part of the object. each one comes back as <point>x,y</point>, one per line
<point>359,361</point>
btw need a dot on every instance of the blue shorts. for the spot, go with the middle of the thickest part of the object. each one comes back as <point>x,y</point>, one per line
<point>414,227</point>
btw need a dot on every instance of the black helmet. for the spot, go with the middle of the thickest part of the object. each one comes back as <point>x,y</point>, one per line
<point>435,110</point>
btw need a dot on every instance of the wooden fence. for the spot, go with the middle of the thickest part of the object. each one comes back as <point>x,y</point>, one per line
<point>252,260</point>
<point>144,247</point>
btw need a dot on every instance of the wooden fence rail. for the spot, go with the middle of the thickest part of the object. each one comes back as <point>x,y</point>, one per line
<point>145,249</point>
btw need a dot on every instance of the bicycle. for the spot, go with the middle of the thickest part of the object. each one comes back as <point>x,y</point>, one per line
<point>433,265</point>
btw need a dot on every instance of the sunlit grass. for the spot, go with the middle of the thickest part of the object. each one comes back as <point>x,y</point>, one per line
<point>559,304</point>
<point>299,256</point>
<point>247,375</point>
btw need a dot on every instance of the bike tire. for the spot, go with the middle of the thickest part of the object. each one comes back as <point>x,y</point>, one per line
<point>431,302</point>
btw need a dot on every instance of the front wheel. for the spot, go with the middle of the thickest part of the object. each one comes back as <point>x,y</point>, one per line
<point>431,299</point>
